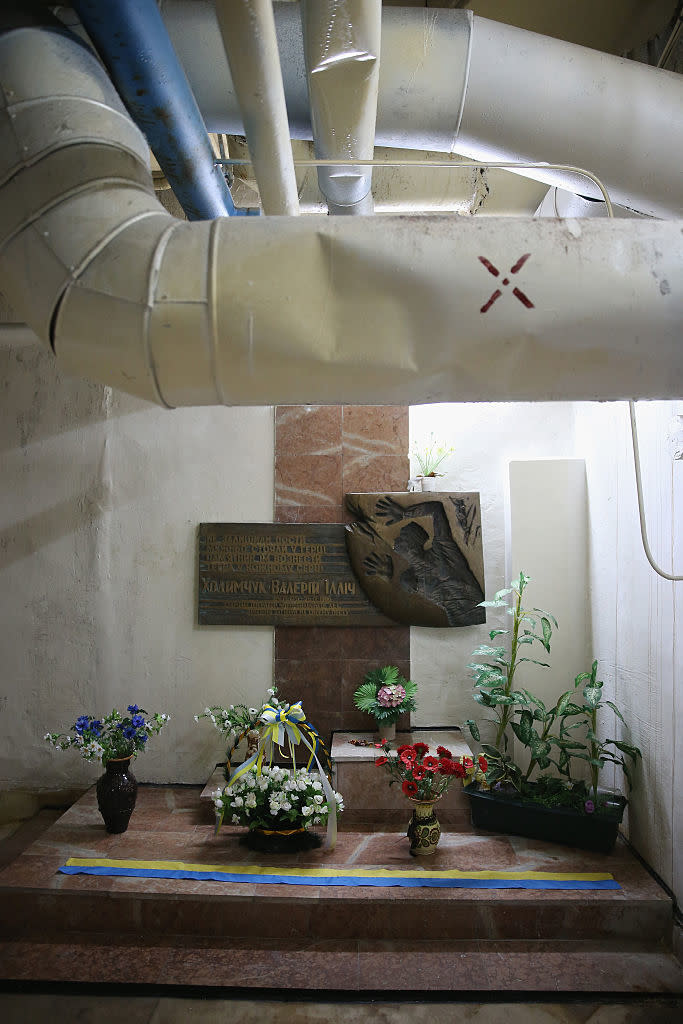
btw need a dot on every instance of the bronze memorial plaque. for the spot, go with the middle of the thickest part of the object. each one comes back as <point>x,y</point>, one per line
<point>414,559</point>
<point>280,575</point>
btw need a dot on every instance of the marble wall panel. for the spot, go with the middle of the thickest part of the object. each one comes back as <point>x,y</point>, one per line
<point>321,453</point>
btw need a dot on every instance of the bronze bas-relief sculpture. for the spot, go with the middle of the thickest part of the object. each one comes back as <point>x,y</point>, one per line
<point>419,557</point>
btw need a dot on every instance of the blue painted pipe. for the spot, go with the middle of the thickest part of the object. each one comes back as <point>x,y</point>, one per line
<point>132,41</point>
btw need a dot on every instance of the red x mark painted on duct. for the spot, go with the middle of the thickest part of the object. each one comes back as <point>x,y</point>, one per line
<point>517,292</point>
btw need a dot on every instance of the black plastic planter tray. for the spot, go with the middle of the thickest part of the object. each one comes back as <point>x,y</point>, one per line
<point>557,825</point>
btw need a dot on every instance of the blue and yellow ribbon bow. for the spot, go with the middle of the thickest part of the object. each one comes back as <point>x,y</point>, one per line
<point>287,724</point>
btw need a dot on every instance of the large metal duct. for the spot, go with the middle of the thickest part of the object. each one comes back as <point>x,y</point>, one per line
<point>454,83</point>
<point>255,312</point>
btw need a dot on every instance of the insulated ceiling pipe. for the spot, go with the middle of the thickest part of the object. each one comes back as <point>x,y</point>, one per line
<point>131,38</point>
<point>248,31</point>
<point>454,83</point>
<point>334,310</point>
<point>559,203</point>
<point>341,51</point>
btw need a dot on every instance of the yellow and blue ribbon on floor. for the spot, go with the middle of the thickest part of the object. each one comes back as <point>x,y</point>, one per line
<point>350,876</point>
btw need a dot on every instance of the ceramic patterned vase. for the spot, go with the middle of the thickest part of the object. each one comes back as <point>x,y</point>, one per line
<point>424,829</point>
<point>117,790</point>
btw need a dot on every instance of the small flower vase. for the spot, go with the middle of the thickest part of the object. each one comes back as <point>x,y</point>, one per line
<point>387,731</point>
<point>430,483</point>
<point>424,829</point>
<point>117,790</point>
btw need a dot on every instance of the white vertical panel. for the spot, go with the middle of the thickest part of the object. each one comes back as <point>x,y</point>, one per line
<point>548,535</point>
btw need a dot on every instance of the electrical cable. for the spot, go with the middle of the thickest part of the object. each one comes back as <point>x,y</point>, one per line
<point>641,507</point>
<point>431,162</point>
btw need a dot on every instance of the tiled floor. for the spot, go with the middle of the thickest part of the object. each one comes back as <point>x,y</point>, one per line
<point>91,1009</point>
<point>283,942</point>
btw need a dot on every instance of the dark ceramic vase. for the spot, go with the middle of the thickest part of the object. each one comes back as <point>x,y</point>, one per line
<point>116,793</point>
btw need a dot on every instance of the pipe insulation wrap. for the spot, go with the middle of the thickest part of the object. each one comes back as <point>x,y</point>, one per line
<point>452,82</point>
<point>258,312</point>
<point>342,53</point>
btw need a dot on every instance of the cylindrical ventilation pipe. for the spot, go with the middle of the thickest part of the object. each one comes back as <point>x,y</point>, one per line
<point>326,310</point>
<point>131,38</point>
<point>248,31</point>
<point>341,50</point>
<point>557,202</point>
<point>454,83</point>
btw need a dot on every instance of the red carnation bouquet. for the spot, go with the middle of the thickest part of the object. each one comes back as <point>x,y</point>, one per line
<point>425,777</point>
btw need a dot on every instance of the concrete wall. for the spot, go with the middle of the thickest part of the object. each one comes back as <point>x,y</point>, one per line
<point>636,615</point>
<point>101,497</point>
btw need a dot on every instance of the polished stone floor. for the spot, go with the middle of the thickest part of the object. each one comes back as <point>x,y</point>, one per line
<point>386,950</point>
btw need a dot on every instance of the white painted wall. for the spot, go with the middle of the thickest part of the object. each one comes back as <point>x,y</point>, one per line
<point>101,498</point>
<point>486,438</point>
<point>637,615</point>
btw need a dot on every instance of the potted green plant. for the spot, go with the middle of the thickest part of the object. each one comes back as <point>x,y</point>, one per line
<point>385,694</point>
<point>429,458</point>
<point>536,793</point>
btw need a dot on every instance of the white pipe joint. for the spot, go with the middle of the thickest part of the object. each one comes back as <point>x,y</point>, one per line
<point>248,31</point>
<point>342,52</point>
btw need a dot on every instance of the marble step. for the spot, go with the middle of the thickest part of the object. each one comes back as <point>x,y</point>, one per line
<point>38,904</point>
<point>342,967</point>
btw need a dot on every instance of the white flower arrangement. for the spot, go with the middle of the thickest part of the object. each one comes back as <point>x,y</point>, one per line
<point>277,799</point>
